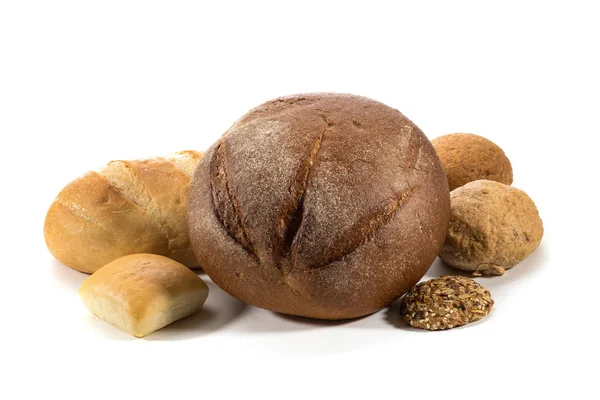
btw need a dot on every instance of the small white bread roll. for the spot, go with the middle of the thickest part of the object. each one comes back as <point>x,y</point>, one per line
<point>141,293</point>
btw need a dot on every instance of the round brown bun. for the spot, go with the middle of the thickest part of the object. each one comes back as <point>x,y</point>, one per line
<point>467,157</point>
<point>492,228</point>
<point>320,205</point>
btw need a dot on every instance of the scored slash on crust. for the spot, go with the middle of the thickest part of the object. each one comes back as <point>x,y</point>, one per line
<point>365,227</point>
<point>286,245</point>
<point>288,231</point>
<point>226,204</point>
<point>289,226</point>
<point>124,178</point>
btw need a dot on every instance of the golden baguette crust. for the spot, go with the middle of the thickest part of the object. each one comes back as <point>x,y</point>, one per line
<point>126,207</point>
<point>141,293</point>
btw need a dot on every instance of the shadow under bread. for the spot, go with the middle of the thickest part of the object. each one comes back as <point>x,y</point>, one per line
<point>65,276</point>
<point>219,310</point>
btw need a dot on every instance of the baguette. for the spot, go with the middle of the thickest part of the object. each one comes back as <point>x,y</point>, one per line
<point>124,208</point>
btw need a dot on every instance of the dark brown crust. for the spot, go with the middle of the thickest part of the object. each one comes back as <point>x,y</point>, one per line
<point>289,224</point>
<point>342,198</point>
<point>364,228</point>
<point>227,205</point>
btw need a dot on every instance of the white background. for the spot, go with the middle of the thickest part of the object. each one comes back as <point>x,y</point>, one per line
<point>82,83</point>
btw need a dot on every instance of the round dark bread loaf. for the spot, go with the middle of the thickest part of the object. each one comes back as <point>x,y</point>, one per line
<point>320,205</point>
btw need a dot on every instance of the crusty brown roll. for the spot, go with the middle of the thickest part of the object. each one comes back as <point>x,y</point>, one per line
<point>493,227</point>
<point>321,205</point>
<point>141,293</point>
<point>126,207</point>
<point>467,158</point>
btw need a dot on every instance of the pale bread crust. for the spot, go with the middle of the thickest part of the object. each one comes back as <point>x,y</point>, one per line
<point>375,206</point>
<point>126,207</point>
<point>141,293</point>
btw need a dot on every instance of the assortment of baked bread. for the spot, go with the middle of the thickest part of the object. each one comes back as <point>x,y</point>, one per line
<point>319,205</point>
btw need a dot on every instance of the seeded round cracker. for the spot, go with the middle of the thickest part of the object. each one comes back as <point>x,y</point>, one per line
<point>445,303</point>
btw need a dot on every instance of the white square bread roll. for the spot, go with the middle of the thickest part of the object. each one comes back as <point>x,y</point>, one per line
<point>141,293</point>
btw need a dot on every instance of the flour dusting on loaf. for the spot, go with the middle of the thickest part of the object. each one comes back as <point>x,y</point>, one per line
<point>342,200</point>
